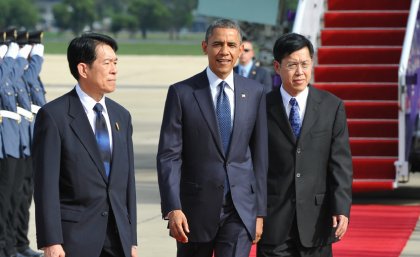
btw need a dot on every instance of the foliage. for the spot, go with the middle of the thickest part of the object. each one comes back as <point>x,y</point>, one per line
<point>18,13</point>
<point>123,21</point>
<point>74,14</point>
<point>151,14</point>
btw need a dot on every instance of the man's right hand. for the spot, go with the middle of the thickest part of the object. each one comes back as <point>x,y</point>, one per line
<point>54,251</point>
<point>178,226</point>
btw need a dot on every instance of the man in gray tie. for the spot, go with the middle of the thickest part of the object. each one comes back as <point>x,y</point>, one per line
<point>212,156</point>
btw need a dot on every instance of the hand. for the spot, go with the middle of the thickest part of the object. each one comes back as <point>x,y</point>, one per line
<point>178,226</point>
<point>134,251</point>
<point>258,230</point>
<point>24,51</point>
<point>54,251</point>
<point>340,222</point>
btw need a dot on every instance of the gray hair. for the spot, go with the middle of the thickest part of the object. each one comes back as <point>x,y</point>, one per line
<point>224,24</point>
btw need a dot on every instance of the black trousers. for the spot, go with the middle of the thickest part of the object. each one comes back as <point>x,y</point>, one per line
<point>232,239</point>
<point>23,206</point>
<point>8,167</point>
<point>292,247</point>
<point>18,168</point>
<point>112,245</point>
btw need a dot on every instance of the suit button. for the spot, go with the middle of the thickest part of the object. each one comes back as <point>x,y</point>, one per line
<point>298,175</point>
<point>104,214</point>
<point>298,150</point>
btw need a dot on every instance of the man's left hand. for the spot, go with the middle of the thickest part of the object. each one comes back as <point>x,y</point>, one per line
<point>340,222</point>
<point>258,230</point>
<point>134,251</point>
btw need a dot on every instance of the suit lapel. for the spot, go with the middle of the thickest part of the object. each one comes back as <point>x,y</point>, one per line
<point>116,138</point>
<point>202,95</point>
<point>278,113</point>
<point>311,112</point>
<point>81,127</point>
<point>239,117</point>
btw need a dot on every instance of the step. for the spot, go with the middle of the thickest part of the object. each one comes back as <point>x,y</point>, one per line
<point>358,19</point>
<point>369,4</point>
<point>359,55</point>
<point>371,110</point>
<point>374,147</point>
<point>374,168</point>
<point>363,37</point>
<point>373,128</point>
<point>361,91</point>
<point>356,73</point>
<point>370,185</point>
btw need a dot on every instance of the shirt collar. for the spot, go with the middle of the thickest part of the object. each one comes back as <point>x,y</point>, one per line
<point>87,101</point>
<point>246,67</point>
<point>300,98</point>
<point>214,81</point>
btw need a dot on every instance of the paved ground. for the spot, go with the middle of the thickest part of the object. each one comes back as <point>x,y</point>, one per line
<point>142,86</point>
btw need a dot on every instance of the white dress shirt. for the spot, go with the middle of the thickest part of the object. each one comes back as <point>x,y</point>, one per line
<point>214,81</point>
<point>88,104</point>
<point>301,99</point>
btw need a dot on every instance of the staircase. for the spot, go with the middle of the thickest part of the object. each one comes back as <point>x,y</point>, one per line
<point>358,59</point>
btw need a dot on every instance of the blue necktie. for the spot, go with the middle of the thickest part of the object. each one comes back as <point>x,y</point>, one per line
<point>294,118</point>
<point>225,126</point>
<point>102,137</point>
<point>223,116</point>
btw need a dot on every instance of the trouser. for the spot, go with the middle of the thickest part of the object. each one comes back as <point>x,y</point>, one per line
<point>14,202</point>
<point>8,171</point>
<point>232,238</point>
<point>22,211</point>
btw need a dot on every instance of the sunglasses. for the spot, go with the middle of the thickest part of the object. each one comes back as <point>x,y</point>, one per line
<point>247,50</point>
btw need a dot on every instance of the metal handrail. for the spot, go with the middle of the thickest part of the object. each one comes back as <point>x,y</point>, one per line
<point>402,166</point>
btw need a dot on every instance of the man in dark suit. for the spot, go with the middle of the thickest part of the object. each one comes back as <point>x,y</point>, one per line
<point>212,157</point>
<point>249,68</point>
<point>85,198</point>
<point>310,167</point>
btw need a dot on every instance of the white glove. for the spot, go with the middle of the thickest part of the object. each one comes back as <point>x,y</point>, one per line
<point>3,50</point>
<point>24,51</point>
<point>38,49</point>
<point>13,50</point>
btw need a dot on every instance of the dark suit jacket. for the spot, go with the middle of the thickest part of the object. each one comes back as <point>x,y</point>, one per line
<point>191,163</point>
<point>310,178</point>
<point>259,74</point>
<point>73,196</point>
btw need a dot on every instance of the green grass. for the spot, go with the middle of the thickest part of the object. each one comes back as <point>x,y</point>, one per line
<point>156,44</point>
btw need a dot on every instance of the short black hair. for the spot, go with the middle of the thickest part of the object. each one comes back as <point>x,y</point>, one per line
<point>224,24</point>
<point>289,43</point>
<point>82,49</point>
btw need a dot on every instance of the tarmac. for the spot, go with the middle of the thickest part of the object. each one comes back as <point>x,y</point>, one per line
<point>142,84</point>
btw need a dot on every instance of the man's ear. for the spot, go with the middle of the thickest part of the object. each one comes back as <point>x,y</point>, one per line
<point>276,66</point>
<point>82,69</point>
<point>204,47</point>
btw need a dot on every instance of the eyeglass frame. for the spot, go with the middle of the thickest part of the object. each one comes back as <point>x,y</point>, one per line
<point>289,67</point>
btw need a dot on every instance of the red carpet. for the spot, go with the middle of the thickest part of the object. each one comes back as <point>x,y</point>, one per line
<point>376,231</point>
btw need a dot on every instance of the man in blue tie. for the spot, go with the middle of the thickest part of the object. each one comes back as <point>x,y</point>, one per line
<point>212,156</point>
<point>85,197</point>
<point>310,166</point>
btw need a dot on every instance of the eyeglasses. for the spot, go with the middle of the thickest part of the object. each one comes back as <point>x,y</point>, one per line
<point>247,50</point>
<point>291,66</point>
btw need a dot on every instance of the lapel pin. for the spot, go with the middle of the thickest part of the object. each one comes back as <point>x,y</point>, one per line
<point>243,95</point>
<point>117,126</point>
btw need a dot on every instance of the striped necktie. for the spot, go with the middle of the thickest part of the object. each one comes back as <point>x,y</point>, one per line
<point>102,137</point>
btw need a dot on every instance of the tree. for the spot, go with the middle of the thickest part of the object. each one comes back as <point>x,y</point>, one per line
<point>75,14</point>
<point>18,13</point>
<point>181,15</point>
<point>124,21</point>
<point>151,14</point>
